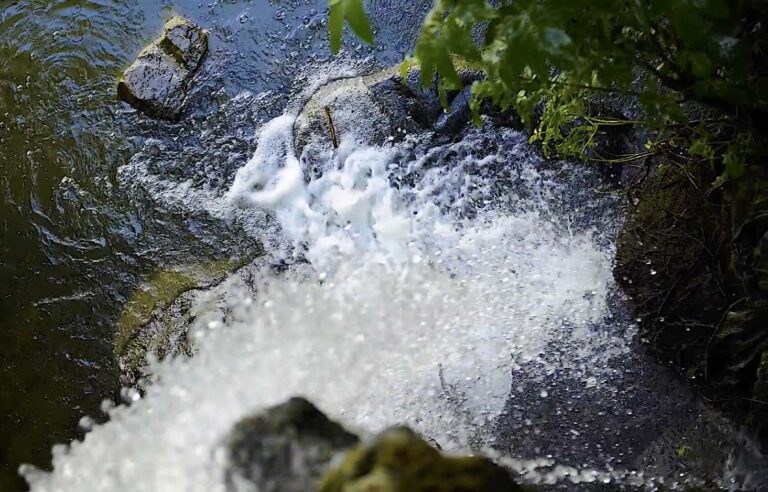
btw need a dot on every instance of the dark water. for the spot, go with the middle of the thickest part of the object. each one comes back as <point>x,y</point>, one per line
<point>73,246</point>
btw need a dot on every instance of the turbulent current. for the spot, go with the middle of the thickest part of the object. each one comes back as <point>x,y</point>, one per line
<point>460,286</point>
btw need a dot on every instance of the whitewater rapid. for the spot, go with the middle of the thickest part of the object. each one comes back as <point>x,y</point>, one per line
<point>442,278</point>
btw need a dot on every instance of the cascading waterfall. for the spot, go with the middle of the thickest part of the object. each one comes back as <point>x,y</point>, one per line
<point>445,280</point>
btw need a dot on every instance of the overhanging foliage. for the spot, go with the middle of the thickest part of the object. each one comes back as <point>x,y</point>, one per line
<point>547,59</point>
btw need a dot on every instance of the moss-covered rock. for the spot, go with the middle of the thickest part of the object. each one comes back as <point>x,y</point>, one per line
<point>286,448</point>
<point>399,461</point>
<point>158,80</point>
<point>157,316</point>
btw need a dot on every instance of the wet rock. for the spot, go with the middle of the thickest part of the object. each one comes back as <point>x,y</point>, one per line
<point>158,81</point>
<point>399,461</point>
<point>158,315</point>
<point>286,448</point>
<point>373,110</point>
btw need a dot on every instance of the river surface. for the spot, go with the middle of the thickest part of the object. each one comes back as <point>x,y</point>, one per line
<point>460,285</point>
<point>72,245</point>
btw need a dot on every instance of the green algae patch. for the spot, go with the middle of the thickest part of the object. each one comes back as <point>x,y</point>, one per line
<point>159,291</point>
<point>399,461</point>
<point>157,315</point>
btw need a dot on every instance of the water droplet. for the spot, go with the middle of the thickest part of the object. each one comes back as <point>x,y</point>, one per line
<point>86,424</point>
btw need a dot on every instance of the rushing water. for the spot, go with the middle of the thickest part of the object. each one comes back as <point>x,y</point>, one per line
<point>73,245</point>
<point>461,285</point>
<point>437,271</point>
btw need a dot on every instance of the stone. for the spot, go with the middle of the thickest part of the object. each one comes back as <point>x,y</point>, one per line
<point>157,83</point>
<point>158,315</point>
<point>286,448</point>
<point>400,461</point>
<point>374,109</point>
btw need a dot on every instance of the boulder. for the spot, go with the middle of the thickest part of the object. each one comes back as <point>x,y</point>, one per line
<point>400,461</point>
<point>371,110</point>
<point>286,448</point>
<point>157,83</point>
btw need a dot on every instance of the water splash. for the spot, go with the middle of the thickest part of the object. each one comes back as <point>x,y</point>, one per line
<point>436,284</point>
<point>438,271</point>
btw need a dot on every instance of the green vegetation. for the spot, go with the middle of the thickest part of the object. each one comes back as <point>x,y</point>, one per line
<point>696,67</point>
<point>135,339</point>
<point>693,75</point>
<point>352,11</point>
<point>159,291</point>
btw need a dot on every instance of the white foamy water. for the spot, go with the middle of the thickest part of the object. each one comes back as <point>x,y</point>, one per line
<point>437,273</point>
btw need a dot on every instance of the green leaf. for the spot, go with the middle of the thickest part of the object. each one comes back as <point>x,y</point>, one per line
<point>353,12</point>
<point>335,24</point>
<point>358,21</point>
<point>734,162</point>
<point>701,148</point>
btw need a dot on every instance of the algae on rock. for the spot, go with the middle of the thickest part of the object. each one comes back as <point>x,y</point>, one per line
<point>398,460</point>
<point>157,316</point>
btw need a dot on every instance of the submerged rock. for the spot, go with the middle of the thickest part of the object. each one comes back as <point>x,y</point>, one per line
<point>286,448</point>
<point>158,81</point>
<point>400,461</point>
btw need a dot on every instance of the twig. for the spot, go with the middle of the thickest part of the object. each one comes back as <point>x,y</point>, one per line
<point>334,140</point>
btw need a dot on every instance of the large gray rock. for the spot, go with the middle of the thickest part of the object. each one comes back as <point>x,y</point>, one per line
<point>158,81</point>
<point>286,448</point>
<point>370,110</point>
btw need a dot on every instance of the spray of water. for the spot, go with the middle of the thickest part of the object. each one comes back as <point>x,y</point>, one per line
<point>437,271</point>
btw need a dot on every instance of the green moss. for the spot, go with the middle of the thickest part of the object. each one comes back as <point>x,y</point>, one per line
<point>158,292</point>
<point>399,461</point>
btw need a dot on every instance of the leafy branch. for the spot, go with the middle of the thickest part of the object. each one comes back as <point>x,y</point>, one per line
<point>547,59</point>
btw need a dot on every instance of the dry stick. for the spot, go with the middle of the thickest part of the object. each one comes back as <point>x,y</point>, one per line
<point>332,128</point>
